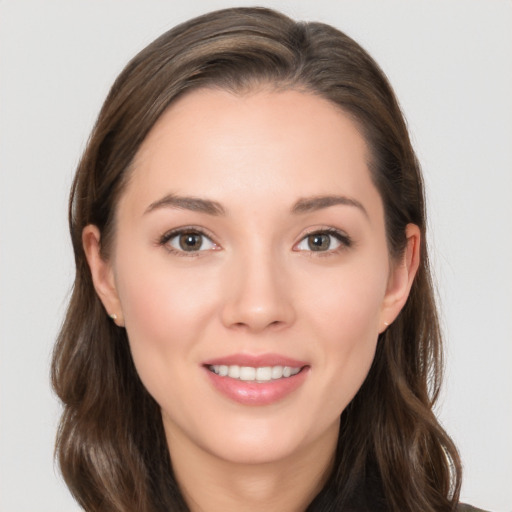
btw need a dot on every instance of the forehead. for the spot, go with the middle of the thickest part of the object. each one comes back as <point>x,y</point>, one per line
<point>263,144</point>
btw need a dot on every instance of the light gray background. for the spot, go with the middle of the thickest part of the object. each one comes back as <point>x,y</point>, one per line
<point>451,65</point>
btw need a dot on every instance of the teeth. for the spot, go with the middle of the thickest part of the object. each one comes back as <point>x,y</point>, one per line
<point>234,372</point>
<point>248,373</point>
<point>264,373</point>
<point>277,372</point>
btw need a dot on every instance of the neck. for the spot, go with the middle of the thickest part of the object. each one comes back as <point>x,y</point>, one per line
<point>209,483</point>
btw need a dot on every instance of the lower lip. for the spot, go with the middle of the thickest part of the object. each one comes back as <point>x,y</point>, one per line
<point>257,393</point>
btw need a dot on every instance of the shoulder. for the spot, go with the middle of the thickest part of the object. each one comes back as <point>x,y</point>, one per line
<point>468,508</point>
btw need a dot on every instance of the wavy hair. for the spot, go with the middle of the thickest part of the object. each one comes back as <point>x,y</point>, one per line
<point>392,453</point>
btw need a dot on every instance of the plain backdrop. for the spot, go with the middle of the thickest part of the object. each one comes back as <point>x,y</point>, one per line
<point>451,65</point>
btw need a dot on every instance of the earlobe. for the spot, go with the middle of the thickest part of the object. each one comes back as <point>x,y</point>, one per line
<point>102,273</point>
<point>401,278</point>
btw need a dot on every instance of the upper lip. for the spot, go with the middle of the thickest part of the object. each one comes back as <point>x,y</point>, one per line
<point>256,361</point>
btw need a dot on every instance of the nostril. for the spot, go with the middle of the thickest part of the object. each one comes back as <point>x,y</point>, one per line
<point>276,324</point>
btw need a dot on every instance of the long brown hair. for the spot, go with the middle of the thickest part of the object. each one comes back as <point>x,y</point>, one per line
<point>392,453</point>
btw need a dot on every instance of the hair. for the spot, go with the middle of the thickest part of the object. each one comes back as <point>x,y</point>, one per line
<point>392,453</point>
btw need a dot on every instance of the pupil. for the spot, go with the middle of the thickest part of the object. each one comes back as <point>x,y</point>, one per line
<point>318,242</point>
<point>190,241</point>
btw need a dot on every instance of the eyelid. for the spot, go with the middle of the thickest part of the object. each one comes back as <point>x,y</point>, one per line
<point>345,241</point>
<point>172,233</point>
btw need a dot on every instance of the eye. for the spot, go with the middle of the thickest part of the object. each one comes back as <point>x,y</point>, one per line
<point>322,241</point>
<point>188,241</point>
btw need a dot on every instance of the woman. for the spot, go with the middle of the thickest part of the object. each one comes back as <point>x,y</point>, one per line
<point>252,325</point>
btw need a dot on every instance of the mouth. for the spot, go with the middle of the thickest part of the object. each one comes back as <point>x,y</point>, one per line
<point>256,380</point>
<point>260,374</point>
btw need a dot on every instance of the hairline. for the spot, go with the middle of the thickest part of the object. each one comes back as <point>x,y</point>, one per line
<point>254,85</point>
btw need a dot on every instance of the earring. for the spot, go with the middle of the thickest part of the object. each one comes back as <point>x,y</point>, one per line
<point>386,324</point>
<point>113,316</point>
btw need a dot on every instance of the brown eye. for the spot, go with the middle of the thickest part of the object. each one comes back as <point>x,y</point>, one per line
<point>319,242</point>
<point>324,241</point>
<point>190,241</point>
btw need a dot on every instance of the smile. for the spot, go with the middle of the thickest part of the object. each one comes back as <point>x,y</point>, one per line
<point>256,380</point>
<point>254,374</point>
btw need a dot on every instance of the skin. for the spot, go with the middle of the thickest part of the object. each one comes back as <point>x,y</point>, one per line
<point>255,287</point>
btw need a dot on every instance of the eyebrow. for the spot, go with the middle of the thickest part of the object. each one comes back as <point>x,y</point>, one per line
<point>311,204</point>
<point>303,205</point>
<point>194,204</point>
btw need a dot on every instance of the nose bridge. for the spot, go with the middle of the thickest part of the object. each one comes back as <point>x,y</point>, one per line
<point>259,295</point>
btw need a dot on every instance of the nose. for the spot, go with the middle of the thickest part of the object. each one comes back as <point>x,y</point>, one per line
<point>258,295</point>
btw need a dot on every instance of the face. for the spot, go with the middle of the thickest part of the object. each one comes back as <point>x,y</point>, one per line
<point>251,272</point>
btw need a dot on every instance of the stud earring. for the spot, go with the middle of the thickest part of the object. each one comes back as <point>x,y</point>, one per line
<point>113,316</point>
<point>386,324</point>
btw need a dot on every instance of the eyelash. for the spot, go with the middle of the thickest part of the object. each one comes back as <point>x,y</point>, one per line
<point>187,230</point>
<point>345,241</point>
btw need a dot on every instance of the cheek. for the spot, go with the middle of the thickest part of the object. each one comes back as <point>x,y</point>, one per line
<point>347,319</point>
<point>166,312</point>
<point>348,302</point>
<point>155,301</point>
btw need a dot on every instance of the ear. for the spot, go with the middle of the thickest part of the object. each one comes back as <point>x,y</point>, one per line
<point>401,278</point>
<point>102,273</point>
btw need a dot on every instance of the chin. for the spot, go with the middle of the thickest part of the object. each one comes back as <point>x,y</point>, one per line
<point>265,441</point>
<point>256,449</point>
